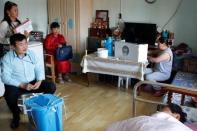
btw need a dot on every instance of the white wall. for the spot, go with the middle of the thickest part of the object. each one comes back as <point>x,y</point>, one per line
<point>183,24</point>
<point>36,10</point>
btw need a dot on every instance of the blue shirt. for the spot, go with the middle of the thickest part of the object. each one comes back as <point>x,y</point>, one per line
<point>16,70</point>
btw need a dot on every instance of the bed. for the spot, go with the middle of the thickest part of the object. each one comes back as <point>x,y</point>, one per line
<point>144,121</point>
<point>185,79</point>
<point>150,123</point>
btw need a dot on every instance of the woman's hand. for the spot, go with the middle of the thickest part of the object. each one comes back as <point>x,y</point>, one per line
<point>59,45</point>
<point>150,58</point>
<point>26,34</point>
<point>163,57</point>
<point>14,30</point>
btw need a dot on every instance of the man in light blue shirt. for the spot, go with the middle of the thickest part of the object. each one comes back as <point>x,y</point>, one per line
<point>22,73</point>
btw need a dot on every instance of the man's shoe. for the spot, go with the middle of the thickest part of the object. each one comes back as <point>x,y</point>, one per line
<point>67,78</point>
<point>60,80</point>
<point>15,123</point>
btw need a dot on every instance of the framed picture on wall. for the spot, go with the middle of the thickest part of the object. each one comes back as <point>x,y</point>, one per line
<point>103,14</point>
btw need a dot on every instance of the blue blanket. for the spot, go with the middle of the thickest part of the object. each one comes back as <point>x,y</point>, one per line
<point>185,79</point>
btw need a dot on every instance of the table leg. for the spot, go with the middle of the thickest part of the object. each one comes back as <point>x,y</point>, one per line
<point>88,82</point>
<point>120,80</point>
<point>127,83</point>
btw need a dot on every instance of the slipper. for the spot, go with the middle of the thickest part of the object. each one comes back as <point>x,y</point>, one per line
<point>147,88</point>
<point>159,93</point>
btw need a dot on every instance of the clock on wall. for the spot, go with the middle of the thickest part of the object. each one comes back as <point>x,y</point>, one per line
<point>150,1</point>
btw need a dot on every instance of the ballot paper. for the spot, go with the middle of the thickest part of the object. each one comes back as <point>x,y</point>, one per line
<point>25,26</point>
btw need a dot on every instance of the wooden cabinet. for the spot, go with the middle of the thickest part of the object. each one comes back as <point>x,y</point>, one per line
<point>190,65</point>
<point>95,36</point>
<point>101,33</point>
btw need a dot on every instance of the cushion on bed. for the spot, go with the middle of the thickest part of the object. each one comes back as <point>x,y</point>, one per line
<point>185,79</point>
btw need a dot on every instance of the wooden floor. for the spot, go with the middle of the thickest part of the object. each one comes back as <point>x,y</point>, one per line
<point>90,108</point>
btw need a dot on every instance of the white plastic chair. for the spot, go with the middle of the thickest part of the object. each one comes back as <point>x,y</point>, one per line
<point>121,81</point>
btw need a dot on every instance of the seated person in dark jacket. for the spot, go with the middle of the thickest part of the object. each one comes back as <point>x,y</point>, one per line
<point>22,73</point>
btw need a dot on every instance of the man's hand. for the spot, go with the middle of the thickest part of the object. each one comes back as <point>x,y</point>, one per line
<point>26,86</point>
<point>36,85</point>
<point>23,86</point>
<point>29,87</point>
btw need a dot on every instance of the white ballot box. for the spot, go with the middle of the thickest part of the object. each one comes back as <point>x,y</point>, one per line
<point>131,51</point>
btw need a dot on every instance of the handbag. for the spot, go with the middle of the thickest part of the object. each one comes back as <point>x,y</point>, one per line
<point>64,53</point>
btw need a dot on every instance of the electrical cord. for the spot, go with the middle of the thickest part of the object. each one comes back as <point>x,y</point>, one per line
<point>120,6</point>
<point>173,14</point>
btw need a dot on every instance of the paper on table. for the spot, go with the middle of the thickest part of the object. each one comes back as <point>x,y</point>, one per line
<point>25,26</point>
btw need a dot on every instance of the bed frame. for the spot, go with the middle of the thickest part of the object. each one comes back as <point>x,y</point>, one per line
<point>170,89</point>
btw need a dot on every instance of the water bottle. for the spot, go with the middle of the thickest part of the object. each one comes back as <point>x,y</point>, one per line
<point>108,44</point>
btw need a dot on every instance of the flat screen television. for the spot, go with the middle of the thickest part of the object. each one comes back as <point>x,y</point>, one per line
<point>140,33</point>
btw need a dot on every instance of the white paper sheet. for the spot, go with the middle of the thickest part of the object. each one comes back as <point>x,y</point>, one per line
<point>25,26</point>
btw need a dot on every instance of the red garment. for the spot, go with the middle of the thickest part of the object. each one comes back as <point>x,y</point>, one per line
<point>63,66</point>
<point>51,43</point>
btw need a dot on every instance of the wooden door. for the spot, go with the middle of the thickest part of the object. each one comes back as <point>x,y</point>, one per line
<point>54,12</point>
<point>64,12</point>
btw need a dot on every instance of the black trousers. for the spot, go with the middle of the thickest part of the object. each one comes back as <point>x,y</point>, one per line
<point>1,50</point>
<point>12,94</point>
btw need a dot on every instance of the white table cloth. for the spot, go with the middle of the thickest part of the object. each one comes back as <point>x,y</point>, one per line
<point>113,66</point>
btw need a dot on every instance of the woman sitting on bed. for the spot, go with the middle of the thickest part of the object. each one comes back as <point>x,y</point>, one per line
<point>170,118</point>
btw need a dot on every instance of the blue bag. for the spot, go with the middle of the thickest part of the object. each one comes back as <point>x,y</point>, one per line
<point>64,53</point>
<point>45,112</point>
